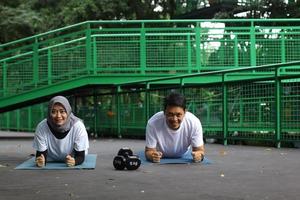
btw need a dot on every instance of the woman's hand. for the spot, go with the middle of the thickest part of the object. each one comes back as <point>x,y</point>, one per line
<point>40,161</point>
<point>70,161</point>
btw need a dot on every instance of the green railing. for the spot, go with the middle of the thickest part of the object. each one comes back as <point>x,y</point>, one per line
<point>232,105</point>
<point>212,61</point>
<point>143,49</point>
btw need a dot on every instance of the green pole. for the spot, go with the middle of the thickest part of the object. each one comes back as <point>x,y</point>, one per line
<point>147,103</point>
<point>241,112</point>
<point>29,118</point>
<point>95,61</point>
<point>198,46</point>
<point>118,112</point>
<point>278,108</point>
<point>35,62</point>
<point>88,50</point>
<point>95,112</point>
<point>209,112</point>
<point>236,52</point>
<point>143,49</point>
<point>8,120</point>
<point>49,67</point>
<point>260,119</point>
<point>4,79</point>
<point>225,111</point>
<point>252,45</point>
<point>18,119</point>
<point>189,53</point>
<point>283,51</point>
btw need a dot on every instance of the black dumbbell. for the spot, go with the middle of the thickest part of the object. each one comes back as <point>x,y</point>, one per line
<point>120,160</point>
<point>126,159</point>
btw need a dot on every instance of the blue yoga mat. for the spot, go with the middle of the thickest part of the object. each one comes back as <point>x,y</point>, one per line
<point>186,158</point>
<point>89,163</point>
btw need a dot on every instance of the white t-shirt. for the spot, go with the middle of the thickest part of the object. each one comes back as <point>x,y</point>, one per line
<point>173,143</point>
<point>58,149</point>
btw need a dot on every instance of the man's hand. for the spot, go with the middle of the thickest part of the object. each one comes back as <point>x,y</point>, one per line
<point>198,153</point>
<point>40,161</point>
<point>70,161</point>
<point>156,156</point>
<point>197,156</point>
<point>153,155</point>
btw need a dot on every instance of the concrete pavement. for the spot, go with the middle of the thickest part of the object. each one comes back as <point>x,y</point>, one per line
<point>237,172</point>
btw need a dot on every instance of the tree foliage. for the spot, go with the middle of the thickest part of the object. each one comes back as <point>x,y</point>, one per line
<point>18,22</point>
<point>22,18</point>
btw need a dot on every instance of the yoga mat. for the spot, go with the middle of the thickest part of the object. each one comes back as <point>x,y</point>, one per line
<point>89,163</point>
<point>185,159</point>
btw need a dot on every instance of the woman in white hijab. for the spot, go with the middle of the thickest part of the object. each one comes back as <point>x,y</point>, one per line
<point>61,136</point>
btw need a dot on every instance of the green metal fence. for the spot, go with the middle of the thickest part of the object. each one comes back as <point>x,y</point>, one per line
<point>257,108</point>
<point>142,49</point>
<point>212,62</point>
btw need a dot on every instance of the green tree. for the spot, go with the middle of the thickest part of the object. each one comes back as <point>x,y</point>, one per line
<point>22,18</point>
<point>18,22</point>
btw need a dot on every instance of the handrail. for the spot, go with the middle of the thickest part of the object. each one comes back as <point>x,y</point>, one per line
<point>145,22</point>
<point>288,64</point>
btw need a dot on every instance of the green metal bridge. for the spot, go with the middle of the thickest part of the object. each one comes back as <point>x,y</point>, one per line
<point>241,77</point>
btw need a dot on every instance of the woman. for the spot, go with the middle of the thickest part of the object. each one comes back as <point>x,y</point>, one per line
<point>61,136</point>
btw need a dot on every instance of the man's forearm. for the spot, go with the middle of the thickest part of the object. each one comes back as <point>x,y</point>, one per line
<point>199,149</point>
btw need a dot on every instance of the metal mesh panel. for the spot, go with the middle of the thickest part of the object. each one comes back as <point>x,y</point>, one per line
<point>206,104</point>
<point>16,49</point>
<point>222,56</point>
<point>225,47</point>
<point>24,115</point>
<point>244,50</point>
<point>165,52</point>
<point>157,99</point>
<point>25,119</point>
<point>20,75</point>
<point>38,112</point>
<point>85,109</point>
<point>14,119</point>
<point>251,109</point>
<point>132,110</point>
<point>118,54</point>
<point>217,49</point>
<point>2,80</point>
<point>43,68</point>
<point>105,114</point>
<point>268,51</point>
<point>68,61</point>
<point>290,111</point>
<point>292,46</point>
<point>3,121</point>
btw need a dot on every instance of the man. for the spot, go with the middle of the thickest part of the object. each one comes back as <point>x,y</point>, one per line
<point>172,132</point>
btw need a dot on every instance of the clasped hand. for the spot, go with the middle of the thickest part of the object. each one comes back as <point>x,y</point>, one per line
<point>156,156</point>
<point>197,156</point>
<point>40,161</point>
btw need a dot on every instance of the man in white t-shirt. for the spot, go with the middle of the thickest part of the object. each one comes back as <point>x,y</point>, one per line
<point>173,132</point>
